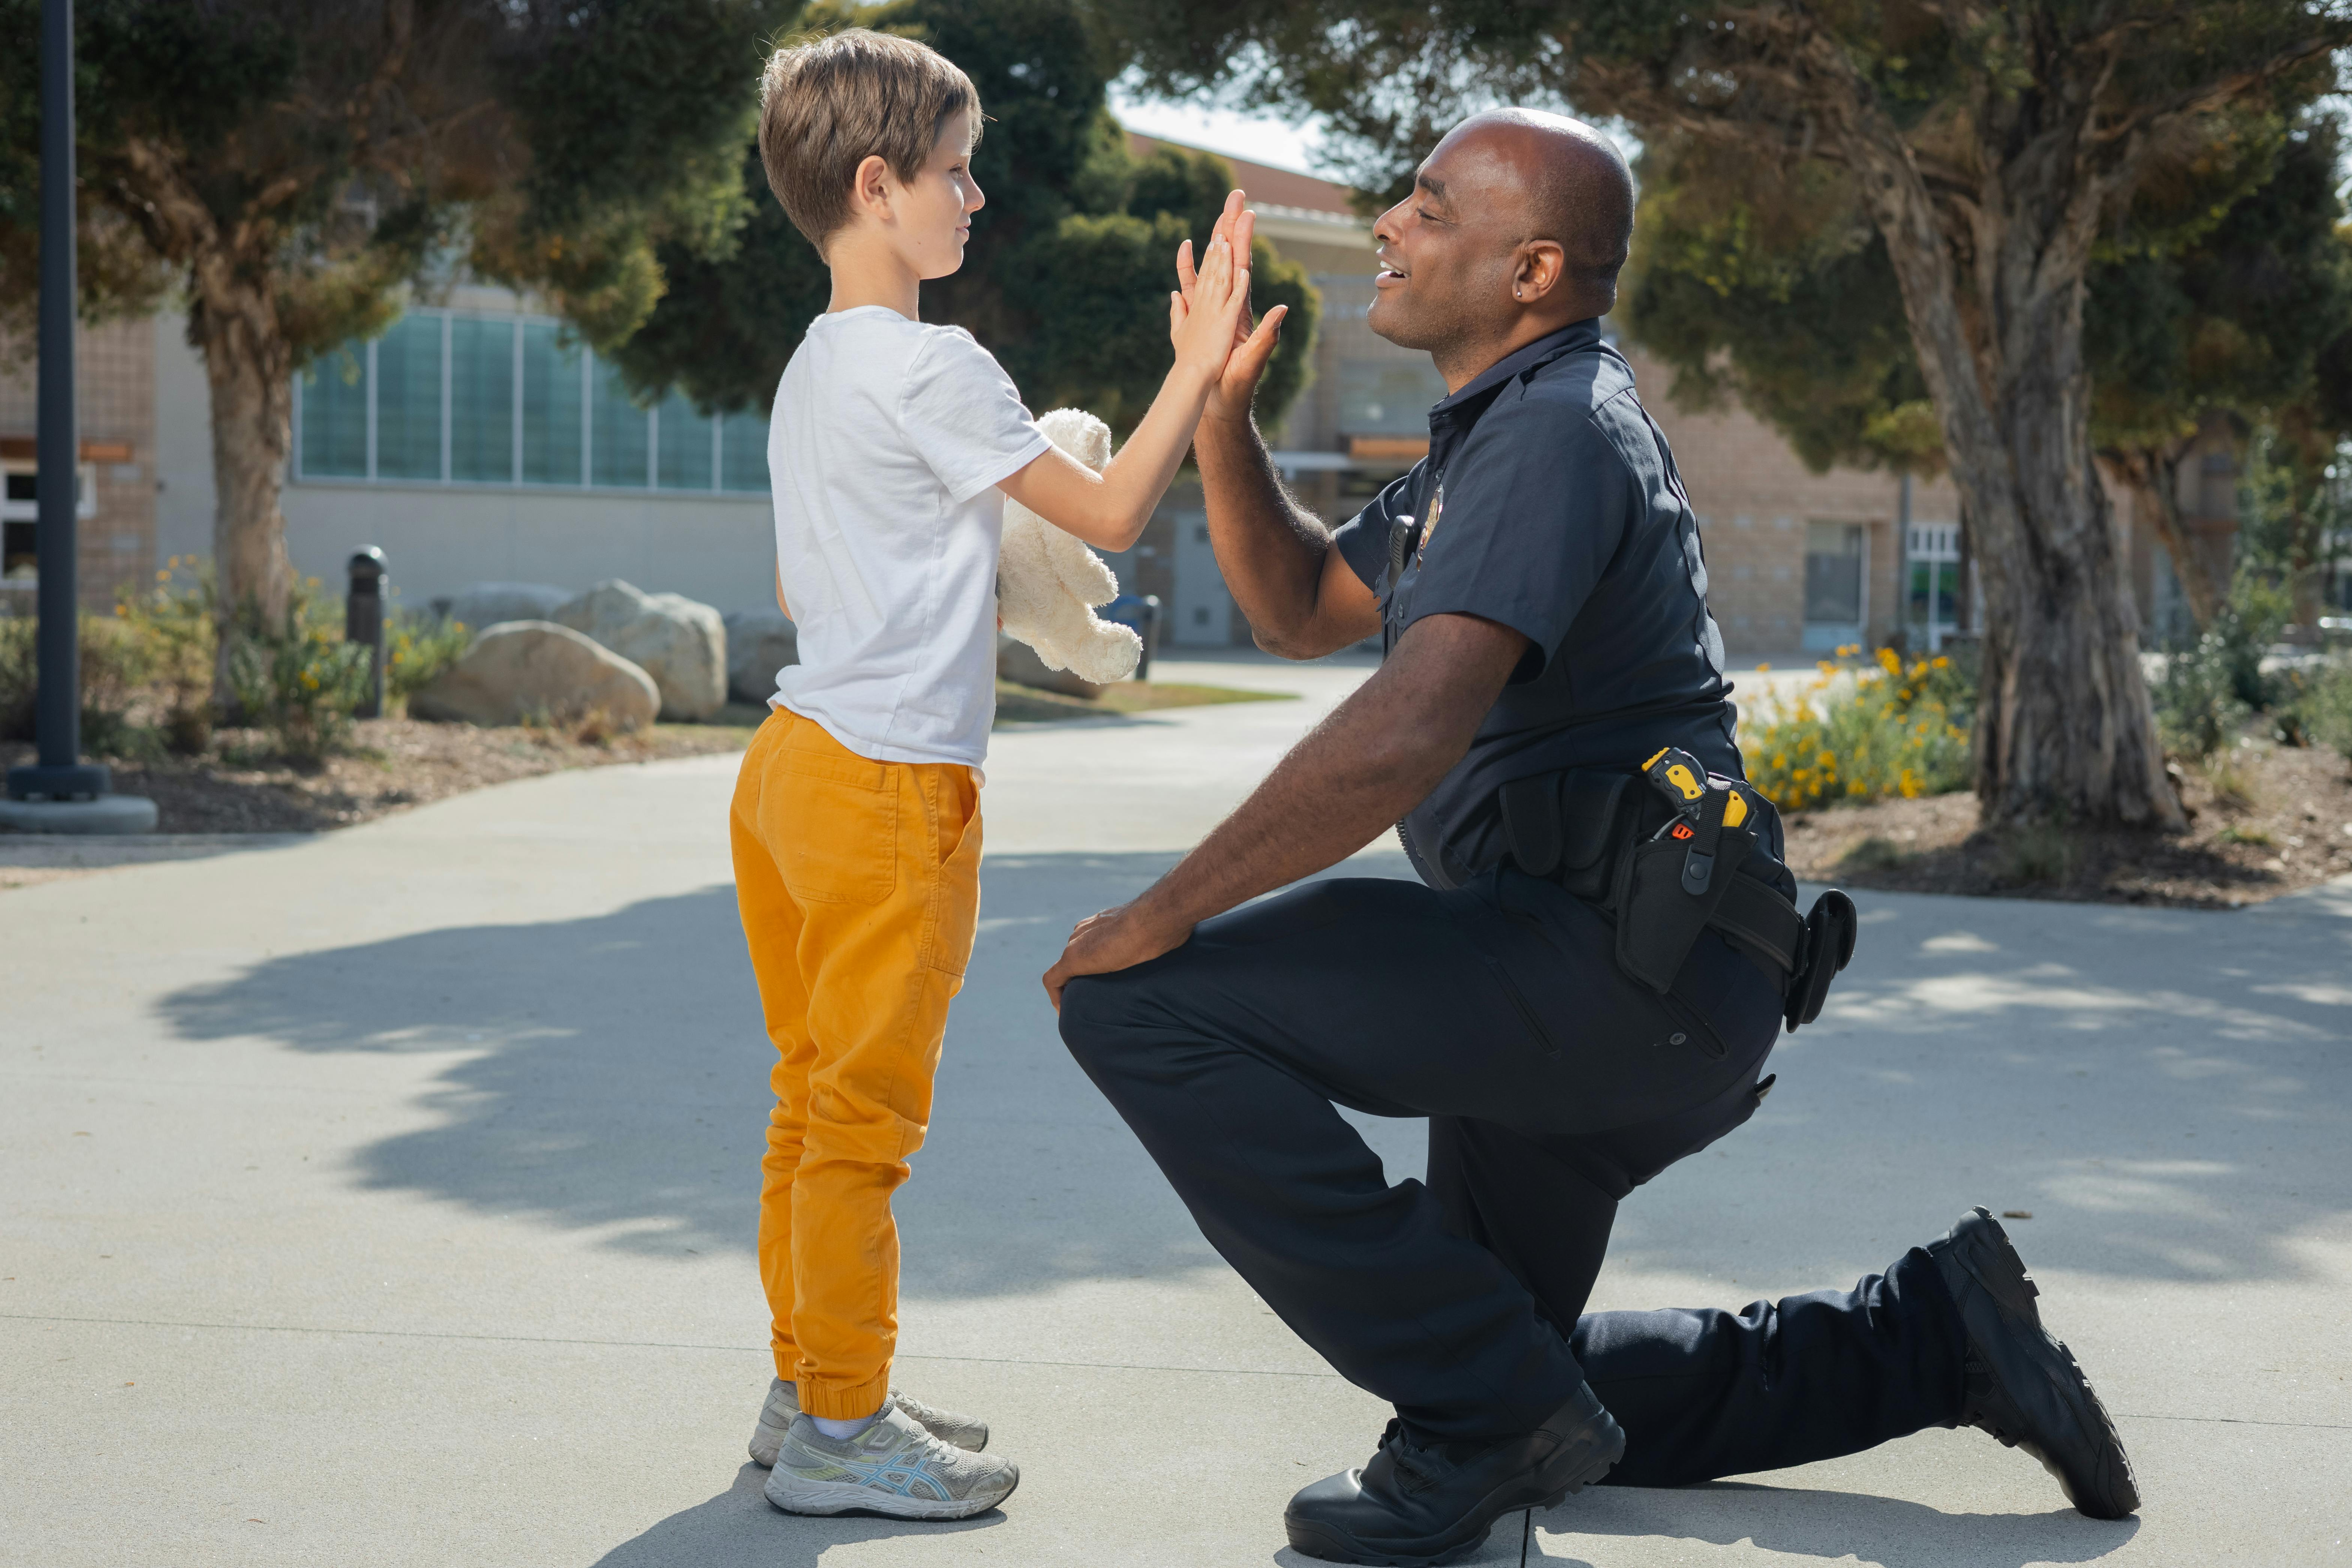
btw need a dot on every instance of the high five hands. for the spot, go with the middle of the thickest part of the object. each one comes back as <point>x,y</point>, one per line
<point>1253,342</point>
<point>1209,322</point>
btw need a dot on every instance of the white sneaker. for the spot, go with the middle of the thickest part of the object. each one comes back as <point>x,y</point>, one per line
<point>893,1466</point>
<point>965,1432</point>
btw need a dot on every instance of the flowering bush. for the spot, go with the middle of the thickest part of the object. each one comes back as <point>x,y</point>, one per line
<point>300,684</point>
<point>1862,731</point>
<point>419,647</point>
<point>174,623</point>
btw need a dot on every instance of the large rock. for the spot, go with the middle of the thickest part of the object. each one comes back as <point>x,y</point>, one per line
<point>539,671</point>
<point>480,605</point>
<point>681,644</point>
<point>1019,663</point>
<point>759,644</point>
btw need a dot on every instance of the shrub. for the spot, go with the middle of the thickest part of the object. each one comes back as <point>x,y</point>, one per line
<point>419,646</point>
<point>112,666</point>
<point>2198,708</point>
<point>301,684</point>
<point>1863,733</point>
<point>174,622</point>
<point>2323,707</point>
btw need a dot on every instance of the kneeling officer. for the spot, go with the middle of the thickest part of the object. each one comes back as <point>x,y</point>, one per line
<point>1582,990</point>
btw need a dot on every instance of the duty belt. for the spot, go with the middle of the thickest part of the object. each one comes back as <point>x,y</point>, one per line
<point>1664,853</point>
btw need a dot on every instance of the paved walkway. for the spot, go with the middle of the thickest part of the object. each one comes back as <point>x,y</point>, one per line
<point>386,1198</point>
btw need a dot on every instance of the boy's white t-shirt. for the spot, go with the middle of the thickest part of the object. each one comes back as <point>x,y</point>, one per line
<point>888,439</point>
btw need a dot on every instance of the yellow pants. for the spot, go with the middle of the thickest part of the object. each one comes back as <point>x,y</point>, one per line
<point>859,884</point>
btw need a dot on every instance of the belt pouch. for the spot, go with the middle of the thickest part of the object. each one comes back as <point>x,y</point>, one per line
<point>1563,825</point>
<point>1658,915</point>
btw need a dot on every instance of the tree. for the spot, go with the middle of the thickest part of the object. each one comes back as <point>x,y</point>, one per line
<point>1989,147</point>
<point>292,164</point>
<point>2206,299</point>
<point>1068,263</point>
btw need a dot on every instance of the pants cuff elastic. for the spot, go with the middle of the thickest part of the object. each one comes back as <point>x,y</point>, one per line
<point>844,1401</point>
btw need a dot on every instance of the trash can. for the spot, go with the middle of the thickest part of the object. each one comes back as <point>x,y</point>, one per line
<point>1141,614</point>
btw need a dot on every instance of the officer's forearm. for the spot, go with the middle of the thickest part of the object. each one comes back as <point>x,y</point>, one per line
<point>1269,549</point>
<point>1376,757</point>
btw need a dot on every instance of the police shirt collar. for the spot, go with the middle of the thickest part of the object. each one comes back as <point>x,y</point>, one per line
<point>1550,346</point>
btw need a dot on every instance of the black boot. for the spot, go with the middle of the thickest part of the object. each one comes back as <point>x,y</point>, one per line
<point>2024,1386</point>
<point>1414,1505</point>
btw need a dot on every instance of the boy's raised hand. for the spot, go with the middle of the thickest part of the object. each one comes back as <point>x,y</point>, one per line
<point>1201,321</point>
<point>1253,342</point>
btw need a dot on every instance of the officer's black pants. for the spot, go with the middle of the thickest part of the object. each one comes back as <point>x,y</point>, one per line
<point>1553,1086</point>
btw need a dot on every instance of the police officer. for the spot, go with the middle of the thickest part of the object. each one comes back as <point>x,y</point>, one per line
<point>1539,585</point>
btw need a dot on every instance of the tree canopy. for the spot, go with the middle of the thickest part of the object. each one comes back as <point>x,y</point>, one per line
<point>290,165</point>
<point>1989,149</point>
<point>1068,264</point>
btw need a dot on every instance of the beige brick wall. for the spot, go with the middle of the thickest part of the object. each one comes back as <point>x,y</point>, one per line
<point>115,404</point>
<point>1754,497</point>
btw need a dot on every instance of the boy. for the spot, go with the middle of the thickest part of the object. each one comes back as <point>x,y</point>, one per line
<point>855,823</point>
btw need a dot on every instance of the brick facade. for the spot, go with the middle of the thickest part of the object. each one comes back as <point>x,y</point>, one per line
<point>115,406</point>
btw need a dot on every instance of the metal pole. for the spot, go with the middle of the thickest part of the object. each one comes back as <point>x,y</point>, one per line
<point>364,622</point>
<point>60,774</point>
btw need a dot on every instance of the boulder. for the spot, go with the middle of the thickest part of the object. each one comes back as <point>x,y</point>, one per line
<point>539,671</point>
<point>480,605</point>
<point>1019,663</point>
<point>681,644</point>
<point>759,644</point>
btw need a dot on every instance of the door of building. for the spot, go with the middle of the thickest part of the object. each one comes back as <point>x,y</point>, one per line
<point>1837,578</point>
<point>1204,608</point>
<point>1931,609</point>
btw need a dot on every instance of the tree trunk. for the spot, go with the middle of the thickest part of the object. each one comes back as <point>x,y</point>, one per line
<point>233,324</point>
<point>2065,726</point>
<point>2152,474</point>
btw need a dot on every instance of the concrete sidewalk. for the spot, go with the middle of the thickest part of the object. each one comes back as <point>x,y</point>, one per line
<point>386,1198</point>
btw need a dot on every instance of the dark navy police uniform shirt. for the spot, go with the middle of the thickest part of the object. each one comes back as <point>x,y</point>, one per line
<point>1549,503</point>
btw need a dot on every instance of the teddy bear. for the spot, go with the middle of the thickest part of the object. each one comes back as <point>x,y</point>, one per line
<point>1048,582</point>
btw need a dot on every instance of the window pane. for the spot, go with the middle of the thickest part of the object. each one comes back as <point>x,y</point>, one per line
<point>618,440</point>
<point>408,400</point>
<point>685,446</point>
<point>334,413</point>
<point>481,399</point>
<point>551,407</point>
<point>743,451</point>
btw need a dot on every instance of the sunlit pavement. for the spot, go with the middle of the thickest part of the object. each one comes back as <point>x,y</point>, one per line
<point>387,1198</point>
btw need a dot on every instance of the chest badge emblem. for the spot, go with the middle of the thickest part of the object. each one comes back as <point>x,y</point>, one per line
<point>1429,528</point>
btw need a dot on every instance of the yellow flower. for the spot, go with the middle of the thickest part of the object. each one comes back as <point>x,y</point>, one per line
<point>1941,662</point>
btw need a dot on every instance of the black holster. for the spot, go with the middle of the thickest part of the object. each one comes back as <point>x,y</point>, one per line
<point>1663,878</point>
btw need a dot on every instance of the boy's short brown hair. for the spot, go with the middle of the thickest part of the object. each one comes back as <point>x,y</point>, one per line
<point>827,105</point>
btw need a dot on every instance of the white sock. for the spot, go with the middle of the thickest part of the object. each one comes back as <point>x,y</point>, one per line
<point>838,1430</point>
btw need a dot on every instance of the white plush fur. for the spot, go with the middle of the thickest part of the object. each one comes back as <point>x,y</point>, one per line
<point>1048,582</point>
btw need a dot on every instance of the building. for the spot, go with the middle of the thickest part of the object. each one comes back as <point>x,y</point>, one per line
<point>472,443</point>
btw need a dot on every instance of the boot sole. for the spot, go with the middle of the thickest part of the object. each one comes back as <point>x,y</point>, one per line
<point>1993,1260</point>
<point>1333,1545</point>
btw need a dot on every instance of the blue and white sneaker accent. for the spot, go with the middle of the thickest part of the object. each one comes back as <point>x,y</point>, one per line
<point>894,1468</point>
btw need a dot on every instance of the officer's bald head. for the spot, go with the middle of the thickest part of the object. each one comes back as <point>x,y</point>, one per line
<point>1518,223</point>
<point>1573,187</point>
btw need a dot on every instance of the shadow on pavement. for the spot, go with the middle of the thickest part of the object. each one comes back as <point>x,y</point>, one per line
<point>611,1073</point>
<point>1885,1531</point>
<point>741,1528</point>
<point>2164,1090</point>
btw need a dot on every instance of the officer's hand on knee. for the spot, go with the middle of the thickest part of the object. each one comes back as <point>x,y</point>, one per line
<point>1116,939</point>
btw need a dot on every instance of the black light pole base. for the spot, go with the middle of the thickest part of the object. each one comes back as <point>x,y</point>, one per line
<point>75,781</point>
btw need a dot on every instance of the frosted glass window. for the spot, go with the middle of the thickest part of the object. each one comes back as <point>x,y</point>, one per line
<point>551,407</point>
<point>743,451</point>
<point>481,399</point>
<point>408,400</point>
<point>334,413</point>
<point>618,435</point>
<point>685,460</point>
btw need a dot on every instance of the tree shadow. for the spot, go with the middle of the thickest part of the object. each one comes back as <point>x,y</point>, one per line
<point>741,1528</point>
<point>609,1073</point>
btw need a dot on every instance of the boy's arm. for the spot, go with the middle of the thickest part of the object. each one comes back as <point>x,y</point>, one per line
<point>1110,509</point>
